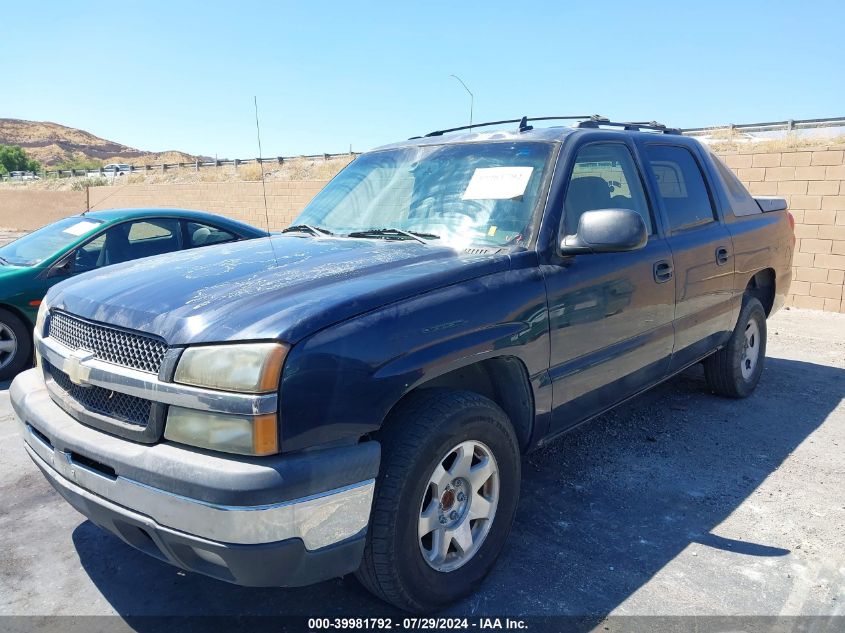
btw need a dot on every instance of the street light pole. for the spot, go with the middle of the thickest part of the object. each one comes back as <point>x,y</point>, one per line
<point>471,98</point>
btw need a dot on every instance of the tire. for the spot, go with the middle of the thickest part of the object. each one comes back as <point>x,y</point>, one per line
<point>404,568</point>
<point>735,370</point>
<point>15,345</point>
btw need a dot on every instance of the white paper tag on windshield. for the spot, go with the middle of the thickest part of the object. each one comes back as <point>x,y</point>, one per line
<point>81,228</point>
<point>497,183</point>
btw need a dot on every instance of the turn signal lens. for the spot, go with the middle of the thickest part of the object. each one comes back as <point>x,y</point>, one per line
<point>244,435</point>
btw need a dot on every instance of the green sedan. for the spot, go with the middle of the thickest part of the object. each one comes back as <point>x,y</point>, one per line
<point>35,262</point>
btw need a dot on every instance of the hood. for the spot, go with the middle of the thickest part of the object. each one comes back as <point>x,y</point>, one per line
<point>282,288</point>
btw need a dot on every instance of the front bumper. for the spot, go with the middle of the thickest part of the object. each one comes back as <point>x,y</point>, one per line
<point>279,521</point>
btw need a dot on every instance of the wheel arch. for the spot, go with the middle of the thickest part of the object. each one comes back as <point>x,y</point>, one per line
<point>502,379</point>
<point>762,287</point>
<point>17,312</point>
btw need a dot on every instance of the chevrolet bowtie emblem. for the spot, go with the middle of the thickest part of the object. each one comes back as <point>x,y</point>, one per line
<point>75,370</point>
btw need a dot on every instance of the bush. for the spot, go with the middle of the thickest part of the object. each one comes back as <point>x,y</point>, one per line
<point>13,158</point>
<point>84,183</point>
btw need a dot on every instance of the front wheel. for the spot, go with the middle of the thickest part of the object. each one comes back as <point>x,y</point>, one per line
<point>15,345</point>
<point>735,370</point>
<point>445,499</point>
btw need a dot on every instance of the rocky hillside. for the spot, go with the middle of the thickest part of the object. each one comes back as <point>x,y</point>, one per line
<point>53,144</point>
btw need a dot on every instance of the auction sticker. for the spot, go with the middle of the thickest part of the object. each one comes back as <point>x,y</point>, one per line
<point>81,228</point>
<point>497,183</point>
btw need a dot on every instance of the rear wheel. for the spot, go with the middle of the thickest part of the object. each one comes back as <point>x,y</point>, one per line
<point>735,370</point>
<point>15,345</point>
<point>445,499</point>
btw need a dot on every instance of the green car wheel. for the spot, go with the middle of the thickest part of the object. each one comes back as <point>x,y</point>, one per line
<point>15,345</point>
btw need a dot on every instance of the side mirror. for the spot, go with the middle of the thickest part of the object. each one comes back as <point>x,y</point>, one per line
<point>606,231</point>
<point>61,269</point>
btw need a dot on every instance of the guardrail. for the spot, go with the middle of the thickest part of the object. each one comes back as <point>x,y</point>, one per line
<point>197,165</point>
<point>774,126</point>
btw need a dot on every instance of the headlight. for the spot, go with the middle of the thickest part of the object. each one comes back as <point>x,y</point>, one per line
<point>244,368</point>
<point>43,309</point>
<point>249,368</point>
<point>246,435</point>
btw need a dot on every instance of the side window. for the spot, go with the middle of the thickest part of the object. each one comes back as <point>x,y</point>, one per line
<point>680,185</point>
<point>740,200</point>
<point>152,230</point>
<point>127,241</point>
<point>87,255</point>
<point>604,176</point>
<point>204,235</point>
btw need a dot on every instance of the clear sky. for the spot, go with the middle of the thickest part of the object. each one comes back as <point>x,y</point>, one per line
<point>182,74</point>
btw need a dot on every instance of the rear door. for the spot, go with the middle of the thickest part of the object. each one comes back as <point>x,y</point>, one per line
<point>702,251</point>
<point>610,314</point>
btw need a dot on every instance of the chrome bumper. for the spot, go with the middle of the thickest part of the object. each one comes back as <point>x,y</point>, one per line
<point>69,454</point>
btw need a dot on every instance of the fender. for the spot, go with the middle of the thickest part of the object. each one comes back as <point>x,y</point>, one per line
<point>340,383</point>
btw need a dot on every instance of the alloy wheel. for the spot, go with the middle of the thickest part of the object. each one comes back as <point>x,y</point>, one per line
<point>458,506</point>
<point>8,345</point>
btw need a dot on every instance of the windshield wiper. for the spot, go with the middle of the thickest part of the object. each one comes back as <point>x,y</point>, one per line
<point>307,228</point>
<point>423,238</point>
<point>5,262</point>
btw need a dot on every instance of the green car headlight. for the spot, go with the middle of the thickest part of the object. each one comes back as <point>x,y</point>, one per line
<point>246,368</point>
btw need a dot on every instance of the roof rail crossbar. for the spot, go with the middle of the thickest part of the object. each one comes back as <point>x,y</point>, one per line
<point>633,126</point>
<point>523,123</point>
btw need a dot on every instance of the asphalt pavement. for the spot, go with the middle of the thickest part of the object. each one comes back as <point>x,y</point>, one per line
<point>680,503</point>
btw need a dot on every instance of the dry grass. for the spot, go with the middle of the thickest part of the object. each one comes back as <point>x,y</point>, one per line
<point>81,184</point>
<point>729,140</point>
<point>251,171</point>
<point>293,169</point>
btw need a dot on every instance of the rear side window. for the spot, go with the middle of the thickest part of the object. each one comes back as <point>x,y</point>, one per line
<point>152,230</point>
<point>604,176</point>
<point>206,235</point>
<point>680,185</point>
<point>741,202</point>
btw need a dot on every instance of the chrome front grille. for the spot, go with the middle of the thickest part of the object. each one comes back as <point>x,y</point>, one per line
<point>128,349</point>
<point>113,404</point>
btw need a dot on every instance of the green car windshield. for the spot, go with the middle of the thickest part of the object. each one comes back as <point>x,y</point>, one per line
<point>34,248</point>
<point>459,194</point>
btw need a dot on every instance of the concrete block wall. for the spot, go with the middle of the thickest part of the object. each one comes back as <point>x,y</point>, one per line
<point>241,200</point>
<point>23,209</point>
<point>813,183</point>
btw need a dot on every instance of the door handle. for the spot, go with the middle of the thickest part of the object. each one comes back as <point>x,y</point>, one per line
<point>722,256</point>
<point>663,271</point>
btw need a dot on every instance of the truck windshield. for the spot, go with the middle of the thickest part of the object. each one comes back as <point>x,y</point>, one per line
<point>458,194</point>
<point>32,249</point>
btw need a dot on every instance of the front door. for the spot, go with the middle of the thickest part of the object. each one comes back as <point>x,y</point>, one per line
<point>610,314</point>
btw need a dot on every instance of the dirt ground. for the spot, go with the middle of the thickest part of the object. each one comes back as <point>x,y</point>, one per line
<point>680,503</point>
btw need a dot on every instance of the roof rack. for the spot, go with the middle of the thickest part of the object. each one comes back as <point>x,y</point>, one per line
<point>635,126</point>
<point>523,124</point>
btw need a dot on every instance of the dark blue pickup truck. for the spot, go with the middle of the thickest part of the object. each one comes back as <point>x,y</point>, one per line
<point>354,395</point>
